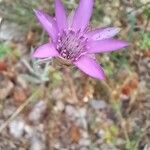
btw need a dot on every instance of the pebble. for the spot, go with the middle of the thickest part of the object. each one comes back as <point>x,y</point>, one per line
<point>82,122</point>
<point>107,20</point>
<point>16,128</point>
<point>11,31</point>
<point>84,148</point>
<point>8,111</point>
<point>98,104</point>
<point>71,111</point>
<point>37,144</point>
<point>84,134</point>
<point>59,106</point>
<point>147,147</point>
<point>84,142</point>
<point>57,145</point>
<point>107,147</point>
<point>29,131</point>
<point>82,112</point>
<point>120,142</point>
<point>101,133</point>
<point>37,111</point>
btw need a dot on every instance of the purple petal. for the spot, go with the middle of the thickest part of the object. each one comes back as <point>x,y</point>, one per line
<point>106,45</point>
<point>45,51</point>
<point>83,14</point>
<point>70,18</point>
<point>90,67</point>
<point>103,33</point>
<point>60,15</point>
<point>48,23</point>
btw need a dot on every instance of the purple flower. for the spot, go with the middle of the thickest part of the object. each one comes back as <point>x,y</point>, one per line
<point>73,42</point>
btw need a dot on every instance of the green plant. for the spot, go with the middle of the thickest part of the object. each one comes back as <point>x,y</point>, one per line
<point>145,41</point>
<point>4,50</point>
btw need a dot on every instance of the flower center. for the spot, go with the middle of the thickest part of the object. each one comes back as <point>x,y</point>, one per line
<point>71,45</point>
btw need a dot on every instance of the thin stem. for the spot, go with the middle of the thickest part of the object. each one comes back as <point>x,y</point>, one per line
<point>124,129</point>
<point>147,24</point>
<point>32,98</point>
<point>145,131</point>
<point>144,5</point>
<point>71,85</point>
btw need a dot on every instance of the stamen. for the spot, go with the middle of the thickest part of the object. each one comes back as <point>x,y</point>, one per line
<point>71,45</point>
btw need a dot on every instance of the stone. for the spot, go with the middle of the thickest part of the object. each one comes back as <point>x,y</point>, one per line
<point>16,128</point>
<point>98,104</point>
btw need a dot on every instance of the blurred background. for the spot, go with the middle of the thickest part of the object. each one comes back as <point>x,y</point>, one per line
<point>44,106</point>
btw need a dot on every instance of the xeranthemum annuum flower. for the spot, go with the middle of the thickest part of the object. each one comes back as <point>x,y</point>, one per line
<point>73,42</point>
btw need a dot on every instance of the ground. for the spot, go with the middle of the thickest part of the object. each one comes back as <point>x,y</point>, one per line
<point>49,106</point>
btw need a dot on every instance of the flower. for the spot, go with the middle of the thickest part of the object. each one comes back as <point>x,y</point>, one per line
<point>73,42</point>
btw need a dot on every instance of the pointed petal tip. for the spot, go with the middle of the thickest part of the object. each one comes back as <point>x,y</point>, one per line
<point>45,51</point>
<point>36,54</point>
<point>106,45</point>
<point>118,29</point>
<point>36,11</point>
<point>60,14</point>
<point>103,33</point>
<point>125,44</point>
<point>102,76</point>
<point>81,19</point>
<point>47,22</point>
<point>90,67</point>
<point>99,78</point>
<point>39,12</point>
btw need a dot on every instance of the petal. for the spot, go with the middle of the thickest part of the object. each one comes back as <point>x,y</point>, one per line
<point>45,51</point>
<point>83,14</point>
<point>70,18</point>
<point>48,23</point>
<point>103,33</point>
<point>90,67</point>
<point>60,15</point>
<point>106,45</point>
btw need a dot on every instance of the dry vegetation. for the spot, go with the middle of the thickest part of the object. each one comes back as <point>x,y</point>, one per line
<point>47,106</point>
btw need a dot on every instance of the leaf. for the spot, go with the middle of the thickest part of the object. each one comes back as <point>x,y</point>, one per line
<point>75,134</point>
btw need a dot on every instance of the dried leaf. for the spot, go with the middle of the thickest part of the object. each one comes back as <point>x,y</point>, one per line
<point>30,39</point>
<point>146,54</point>
<point>130,85</point>
<point>3,66</point>
<point>19,95</point>
<point>75,134</point>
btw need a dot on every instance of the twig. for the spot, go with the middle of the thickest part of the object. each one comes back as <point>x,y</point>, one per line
<point>1,19</point>
<point>144,5</point>
<point>72,86</point>
<point>147,24</point>
<point>33,97</point>
<point>142,134</point>
<point>123,126</point>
